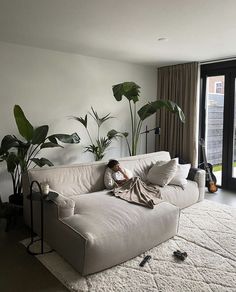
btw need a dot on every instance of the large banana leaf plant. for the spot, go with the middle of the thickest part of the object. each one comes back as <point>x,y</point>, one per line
<point>131,91</point>
<point>98,145</point>
<point>20,154</point>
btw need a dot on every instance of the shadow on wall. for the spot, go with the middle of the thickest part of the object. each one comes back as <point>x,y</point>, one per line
<point>74,154</point>
<point>70,154</point>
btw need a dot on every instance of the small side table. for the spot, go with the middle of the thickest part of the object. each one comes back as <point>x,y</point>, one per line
<point>42,198</point>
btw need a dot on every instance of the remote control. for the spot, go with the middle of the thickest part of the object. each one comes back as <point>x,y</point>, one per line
<point>146,259</point>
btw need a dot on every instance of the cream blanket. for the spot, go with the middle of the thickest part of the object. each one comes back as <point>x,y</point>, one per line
<point>138,192</point>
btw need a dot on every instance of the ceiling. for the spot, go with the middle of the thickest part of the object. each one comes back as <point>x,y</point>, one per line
<point>126,30</point>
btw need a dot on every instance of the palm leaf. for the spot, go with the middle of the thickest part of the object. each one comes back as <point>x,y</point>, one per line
<point>128,89</point>
<point>12,162</point>
<point>41,161</point>
<point>65,138</point>
<point>99,120</point>
<point>103,143</point>
<point>39,135</point>
<point>115,134</point>
<point>84,121</point>
<point>24,126</point>
<point>150,108</point>
<point>91,148</point>
<point>8,142</point>
<point>50,145</point>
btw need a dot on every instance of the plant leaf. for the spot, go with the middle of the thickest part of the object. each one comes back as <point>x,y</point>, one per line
<point>128,89</point>
<point>112,134</point>
<point>8,142</point>
<point>40,135</point>
<point>150,108</point>
<point>115,134</point>
<point>50,145</point>
<point>125,134</point>
<point>84,121</point>
<point>24,126</point>
<point>52,139</point>
<point>103,143</point>
<point>65,138</point>
<point>12,162</point>
<point>99,120</point>
<point>91,148</point>
<point>41,162</point>
<point>23,164</point>
<point>22,152</point>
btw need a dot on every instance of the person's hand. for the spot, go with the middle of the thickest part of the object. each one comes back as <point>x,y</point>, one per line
<point>120,169</point>
<point>121,182</point>
<point>124,173</point>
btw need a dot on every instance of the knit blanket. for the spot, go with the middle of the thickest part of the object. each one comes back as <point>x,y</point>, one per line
<point>138,192</point>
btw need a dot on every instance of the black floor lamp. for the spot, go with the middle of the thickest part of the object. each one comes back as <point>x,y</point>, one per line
<point>157,131</point>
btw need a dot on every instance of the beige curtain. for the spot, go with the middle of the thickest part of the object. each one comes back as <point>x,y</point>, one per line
<point>179,83</point>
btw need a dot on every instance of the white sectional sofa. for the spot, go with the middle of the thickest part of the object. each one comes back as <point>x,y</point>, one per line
<point>92,229</point>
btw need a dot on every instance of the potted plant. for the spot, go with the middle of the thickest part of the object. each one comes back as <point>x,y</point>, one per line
<point>131,91</point>
<point>98,145</point>
<point>20,154</point>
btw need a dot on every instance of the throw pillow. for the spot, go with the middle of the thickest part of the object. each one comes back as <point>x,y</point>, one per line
<point>162,174</point>
<point>181,174</point>
<point>183,170</point>
<point>178,181</point>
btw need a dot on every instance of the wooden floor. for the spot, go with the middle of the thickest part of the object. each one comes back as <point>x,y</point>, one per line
<point>21,272</point>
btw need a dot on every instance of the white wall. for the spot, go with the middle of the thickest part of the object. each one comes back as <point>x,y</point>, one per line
<point>50,86</point>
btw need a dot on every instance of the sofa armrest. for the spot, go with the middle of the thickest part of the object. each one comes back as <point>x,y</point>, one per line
<point>199,176</point>
<point>66,206</point>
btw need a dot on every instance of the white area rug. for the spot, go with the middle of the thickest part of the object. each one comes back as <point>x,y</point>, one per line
<point>207,233</point>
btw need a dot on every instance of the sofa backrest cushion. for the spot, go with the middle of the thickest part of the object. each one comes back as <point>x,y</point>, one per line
<point>71,180</point>
<point>139,165</point>
<point>162,174</point>
<point>85,178</point>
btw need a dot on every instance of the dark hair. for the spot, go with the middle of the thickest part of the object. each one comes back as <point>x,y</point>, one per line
<point>112,163</point>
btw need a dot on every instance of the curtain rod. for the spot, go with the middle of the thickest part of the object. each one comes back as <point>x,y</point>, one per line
<point>217,60</point>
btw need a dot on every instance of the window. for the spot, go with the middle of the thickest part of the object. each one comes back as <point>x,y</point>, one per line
<point>218,120</point>
<point>219,87</point>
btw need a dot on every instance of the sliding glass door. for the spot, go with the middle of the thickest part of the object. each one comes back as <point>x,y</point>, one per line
<point>231,165</point>
<point>214,109</point>
<point>234,136</point>
<point>218,120</point>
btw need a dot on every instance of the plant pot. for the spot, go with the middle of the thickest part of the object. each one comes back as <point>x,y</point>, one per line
<point>16,199</point>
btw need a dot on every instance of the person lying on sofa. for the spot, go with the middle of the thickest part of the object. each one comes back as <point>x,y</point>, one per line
<point>120,175</point>
<point>129,188</point>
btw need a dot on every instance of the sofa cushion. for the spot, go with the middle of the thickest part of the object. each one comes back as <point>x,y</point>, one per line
<point>65,205</point>
<point>89,177</point>
<point>162,174</point>
<point>179,197</point>
<point>181,174</point>
<point>116,230</point>
<point>183,170</point>
<point>139,165</point>
<point>73,179</point>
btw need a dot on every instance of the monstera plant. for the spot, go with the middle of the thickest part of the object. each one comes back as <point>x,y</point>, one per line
<point>22,154</point>
<point>131,91</point>
<point>99,144</point>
